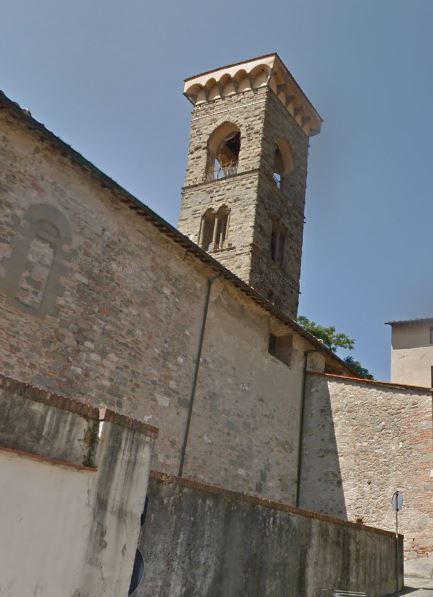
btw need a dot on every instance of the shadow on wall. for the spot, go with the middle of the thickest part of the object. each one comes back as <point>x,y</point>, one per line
<point>321,482</point>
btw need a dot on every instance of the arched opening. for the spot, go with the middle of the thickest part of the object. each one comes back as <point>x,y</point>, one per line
<point>223,151</point>
<point>283,162</point>
<point>207,229</point>
<point>222,218</point>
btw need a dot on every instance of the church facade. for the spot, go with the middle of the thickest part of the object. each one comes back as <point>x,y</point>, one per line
<point>192,331</point>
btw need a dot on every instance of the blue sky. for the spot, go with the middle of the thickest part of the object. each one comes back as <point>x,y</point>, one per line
<point>106,76</point>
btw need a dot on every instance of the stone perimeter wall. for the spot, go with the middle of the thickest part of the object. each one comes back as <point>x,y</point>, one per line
<point>362,442</point>
<point>200,541</point>
<point>98,304</point>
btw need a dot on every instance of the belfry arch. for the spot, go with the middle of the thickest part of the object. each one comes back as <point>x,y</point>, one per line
<point>223,150</point>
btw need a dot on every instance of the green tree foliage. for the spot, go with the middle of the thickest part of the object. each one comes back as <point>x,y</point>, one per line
<point>329,336</point>
<point>333,340</point>
<point>356,365</point>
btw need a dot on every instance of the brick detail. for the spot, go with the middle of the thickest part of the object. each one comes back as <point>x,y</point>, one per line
<point>75,406</point>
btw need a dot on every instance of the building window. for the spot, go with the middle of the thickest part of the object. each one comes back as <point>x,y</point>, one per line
<point>222,218</point>
<point>283,162</point>
<point>223,151</point>
<point>431,376</point>
<point>207,228</point>
<point>278,244</point>
<point>281,347</point>
<point>214,228</point>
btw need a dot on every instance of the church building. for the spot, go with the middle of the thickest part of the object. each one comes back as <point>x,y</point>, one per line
<point>207,444</point>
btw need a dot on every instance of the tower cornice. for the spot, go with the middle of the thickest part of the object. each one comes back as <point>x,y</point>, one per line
<point>263,71</point>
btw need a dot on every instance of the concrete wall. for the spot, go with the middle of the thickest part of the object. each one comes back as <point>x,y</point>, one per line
<point>71,495</point>
<point>200,541</point>
<point>412,353</point>
<point>362,442</point>
<point>113,315</point>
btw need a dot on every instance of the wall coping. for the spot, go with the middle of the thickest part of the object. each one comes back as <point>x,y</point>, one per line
<point>373,382</point>
<point>190,483</point>
<point>47,460</point>
<point>77,407</point>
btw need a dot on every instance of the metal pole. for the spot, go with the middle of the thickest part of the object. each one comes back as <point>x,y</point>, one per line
<point>396,546</point>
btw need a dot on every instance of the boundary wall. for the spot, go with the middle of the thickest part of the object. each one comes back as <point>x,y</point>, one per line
<point>203,541</point>
<point>363,440</point>
<point>73,481</point>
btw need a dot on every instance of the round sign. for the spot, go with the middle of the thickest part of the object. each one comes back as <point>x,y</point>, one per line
<point>397,501</point>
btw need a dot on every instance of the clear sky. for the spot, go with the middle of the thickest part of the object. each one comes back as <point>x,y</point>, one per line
<point>106,76</point>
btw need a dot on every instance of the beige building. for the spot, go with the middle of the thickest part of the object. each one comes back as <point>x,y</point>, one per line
<point>412,351</point>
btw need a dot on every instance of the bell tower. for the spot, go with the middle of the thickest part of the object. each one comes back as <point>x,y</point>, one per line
<point>244,193</point>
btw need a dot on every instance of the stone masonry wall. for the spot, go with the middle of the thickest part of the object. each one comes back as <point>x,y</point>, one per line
<point>238,192</point>
<point>251,195</point>
<point>362,442</point>
<point>116,317</point>
<point>252,400</point>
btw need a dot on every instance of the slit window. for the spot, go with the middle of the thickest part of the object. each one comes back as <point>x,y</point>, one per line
<point>278,244</point>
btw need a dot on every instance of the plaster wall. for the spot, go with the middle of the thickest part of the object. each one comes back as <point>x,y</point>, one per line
<point>412,353</point>
<point>69,529</point>
<point>245,422</point>
<point>200,541</point>
<point>362,442</point>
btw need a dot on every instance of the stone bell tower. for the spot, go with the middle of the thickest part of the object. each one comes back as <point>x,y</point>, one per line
<point>244,194</point>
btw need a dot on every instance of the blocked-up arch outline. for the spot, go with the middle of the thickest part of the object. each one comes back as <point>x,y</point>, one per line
<point>47,224</point>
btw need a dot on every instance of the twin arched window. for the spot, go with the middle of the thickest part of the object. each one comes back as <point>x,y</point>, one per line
<point>223,151</point>
<point>214,227</point>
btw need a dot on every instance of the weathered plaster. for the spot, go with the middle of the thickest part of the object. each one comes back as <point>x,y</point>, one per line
<point>72,529</point>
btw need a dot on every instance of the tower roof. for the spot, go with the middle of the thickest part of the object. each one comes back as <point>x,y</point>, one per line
<point>263,71</point>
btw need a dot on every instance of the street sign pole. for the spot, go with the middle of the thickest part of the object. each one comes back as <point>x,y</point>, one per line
<point>397,504</point>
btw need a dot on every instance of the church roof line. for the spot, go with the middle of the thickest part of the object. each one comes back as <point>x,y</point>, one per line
<point>337,364</point>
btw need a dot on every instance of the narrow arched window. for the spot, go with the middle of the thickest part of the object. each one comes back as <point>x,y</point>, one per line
<point>222,218</point>
<point>278,244</point>
<point>207,229</point>
<point>283,162</point>
<point>223,151</point>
